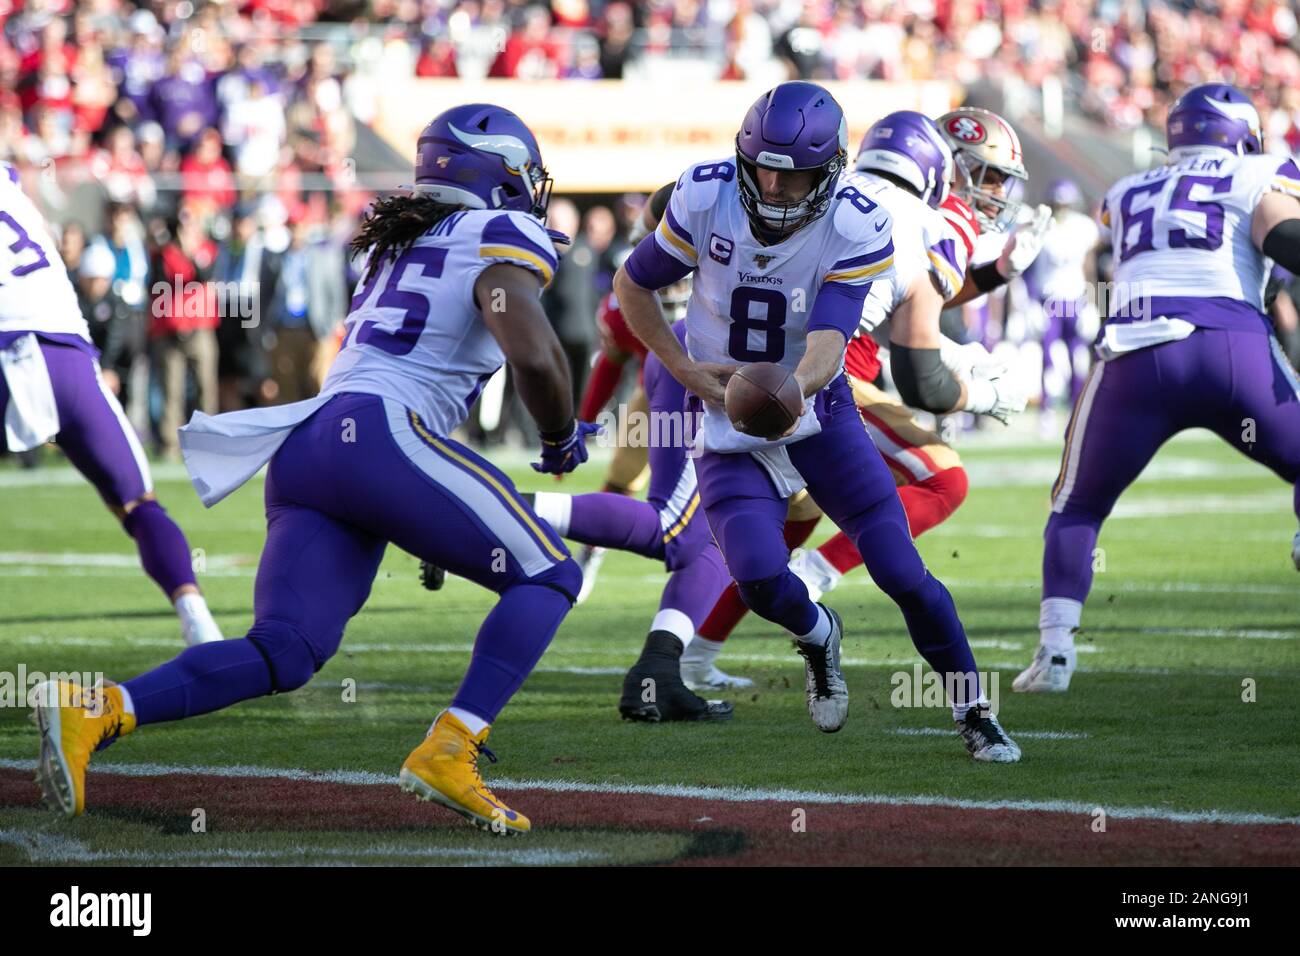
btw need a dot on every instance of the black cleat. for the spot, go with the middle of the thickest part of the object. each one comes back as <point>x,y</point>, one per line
<point>653,691</point>
<point>432,576</point>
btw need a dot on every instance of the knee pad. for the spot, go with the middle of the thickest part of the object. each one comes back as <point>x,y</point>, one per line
<point>289,655</point>
<point>141,515</point>
<point>687,546</point>
<point>763,596</point>
<point>919,595</point>
<point>565,577</point>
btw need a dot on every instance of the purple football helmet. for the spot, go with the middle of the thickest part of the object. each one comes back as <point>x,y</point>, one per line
<point>908,146</point>
<point>1064,192</point>
<point>1214,114</point>
<point>482,157</point>
<point>796,126</point>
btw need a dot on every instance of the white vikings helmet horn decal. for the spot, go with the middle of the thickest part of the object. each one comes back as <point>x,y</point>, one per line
<point>1238,111</point>
<point>509,148</point>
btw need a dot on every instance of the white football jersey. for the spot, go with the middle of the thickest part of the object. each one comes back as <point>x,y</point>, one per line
<point>1060,264</point>
<point>751,302</point>
<point>414,332</point>
<point>36,294</point>
<point>1183,229</point>
<point>924,243</point>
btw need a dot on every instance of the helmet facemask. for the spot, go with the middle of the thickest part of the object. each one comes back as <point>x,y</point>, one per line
<point>675,298</point>
<point>978,189</point>
<point>776,221</point>
<point>538,183</point>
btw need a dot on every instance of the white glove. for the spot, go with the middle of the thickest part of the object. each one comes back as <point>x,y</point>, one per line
<point>992,390</point>
<point>1024,242</point>
<point>962,360</point>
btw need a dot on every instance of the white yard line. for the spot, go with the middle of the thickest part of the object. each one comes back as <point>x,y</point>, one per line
<point>1248,634</point>
<point>47,848</point>
<point>1026,734</point>
<point>724,794</point>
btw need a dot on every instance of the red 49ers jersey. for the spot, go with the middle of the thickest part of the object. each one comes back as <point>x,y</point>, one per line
<point>610,318</point>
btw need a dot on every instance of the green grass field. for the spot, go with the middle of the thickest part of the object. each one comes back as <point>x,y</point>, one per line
<point>1197,599</point>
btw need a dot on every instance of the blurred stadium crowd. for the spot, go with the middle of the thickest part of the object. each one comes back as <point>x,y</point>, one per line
<point>207,144</point>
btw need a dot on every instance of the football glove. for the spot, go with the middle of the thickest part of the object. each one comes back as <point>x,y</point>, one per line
<point>962,360</point>
<point>565,450</point>
<point>992,390</point>
<point>1024,242</point>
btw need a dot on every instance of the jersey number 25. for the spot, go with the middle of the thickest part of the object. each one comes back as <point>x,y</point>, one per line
<point>414,306</point>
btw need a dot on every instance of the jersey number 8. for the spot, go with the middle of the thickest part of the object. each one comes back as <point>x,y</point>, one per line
<point>770,323</point>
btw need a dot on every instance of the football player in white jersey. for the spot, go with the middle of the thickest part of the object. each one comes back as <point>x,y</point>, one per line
<point>451,291</point>
<point>51,389</point>
<point>986,168</point>
<point>905,164</point>
<point>1186,344</point>
<point>1059,281</point>
<point>783,255</point>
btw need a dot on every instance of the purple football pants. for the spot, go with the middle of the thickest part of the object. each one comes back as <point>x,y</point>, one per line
<point>362,472</point>
<point>853,486</point>
<point>667,526</point>
<point>1062,317</point>
<point>1237,384</point>
<point>101,444</point>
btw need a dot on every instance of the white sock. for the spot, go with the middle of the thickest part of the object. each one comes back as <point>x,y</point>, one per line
<point>1057,622</point>
<point>675,623</point>
<point>959,710</point>
<point>555,509</point>
<point>128,705</point>
<point>821,632</point>
<point>702,651</point>
<point>197,623</point>
<point>471,721</point>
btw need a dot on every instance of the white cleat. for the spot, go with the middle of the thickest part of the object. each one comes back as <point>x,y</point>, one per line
<point>815,572</point>
<point>1050,672</point>
<point>197,624</point>
<point>1295,551</point>
<point>589,559</point>
<point>703,677</point>
<point>828,694</point>
<point>985,739</point>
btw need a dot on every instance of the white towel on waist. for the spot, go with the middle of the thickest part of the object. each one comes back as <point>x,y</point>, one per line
<point>223,451</point>
<point>1120,337</point>
<point>32,416</point>
<point>776,462</point>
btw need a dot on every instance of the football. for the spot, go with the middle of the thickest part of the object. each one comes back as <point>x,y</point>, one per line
<point>763,400</point>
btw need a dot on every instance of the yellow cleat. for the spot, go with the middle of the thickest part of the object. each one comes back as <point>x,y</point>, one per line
<point>444,769</point>
<point>74,723</point>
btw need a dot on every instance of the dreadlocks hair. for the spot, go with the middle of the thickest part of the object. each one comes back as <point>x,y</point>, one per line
<point>393,224</point>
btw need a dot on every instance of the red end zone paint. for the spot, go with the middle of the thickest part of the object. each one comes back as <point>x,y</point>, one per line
<point>758,833</point>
